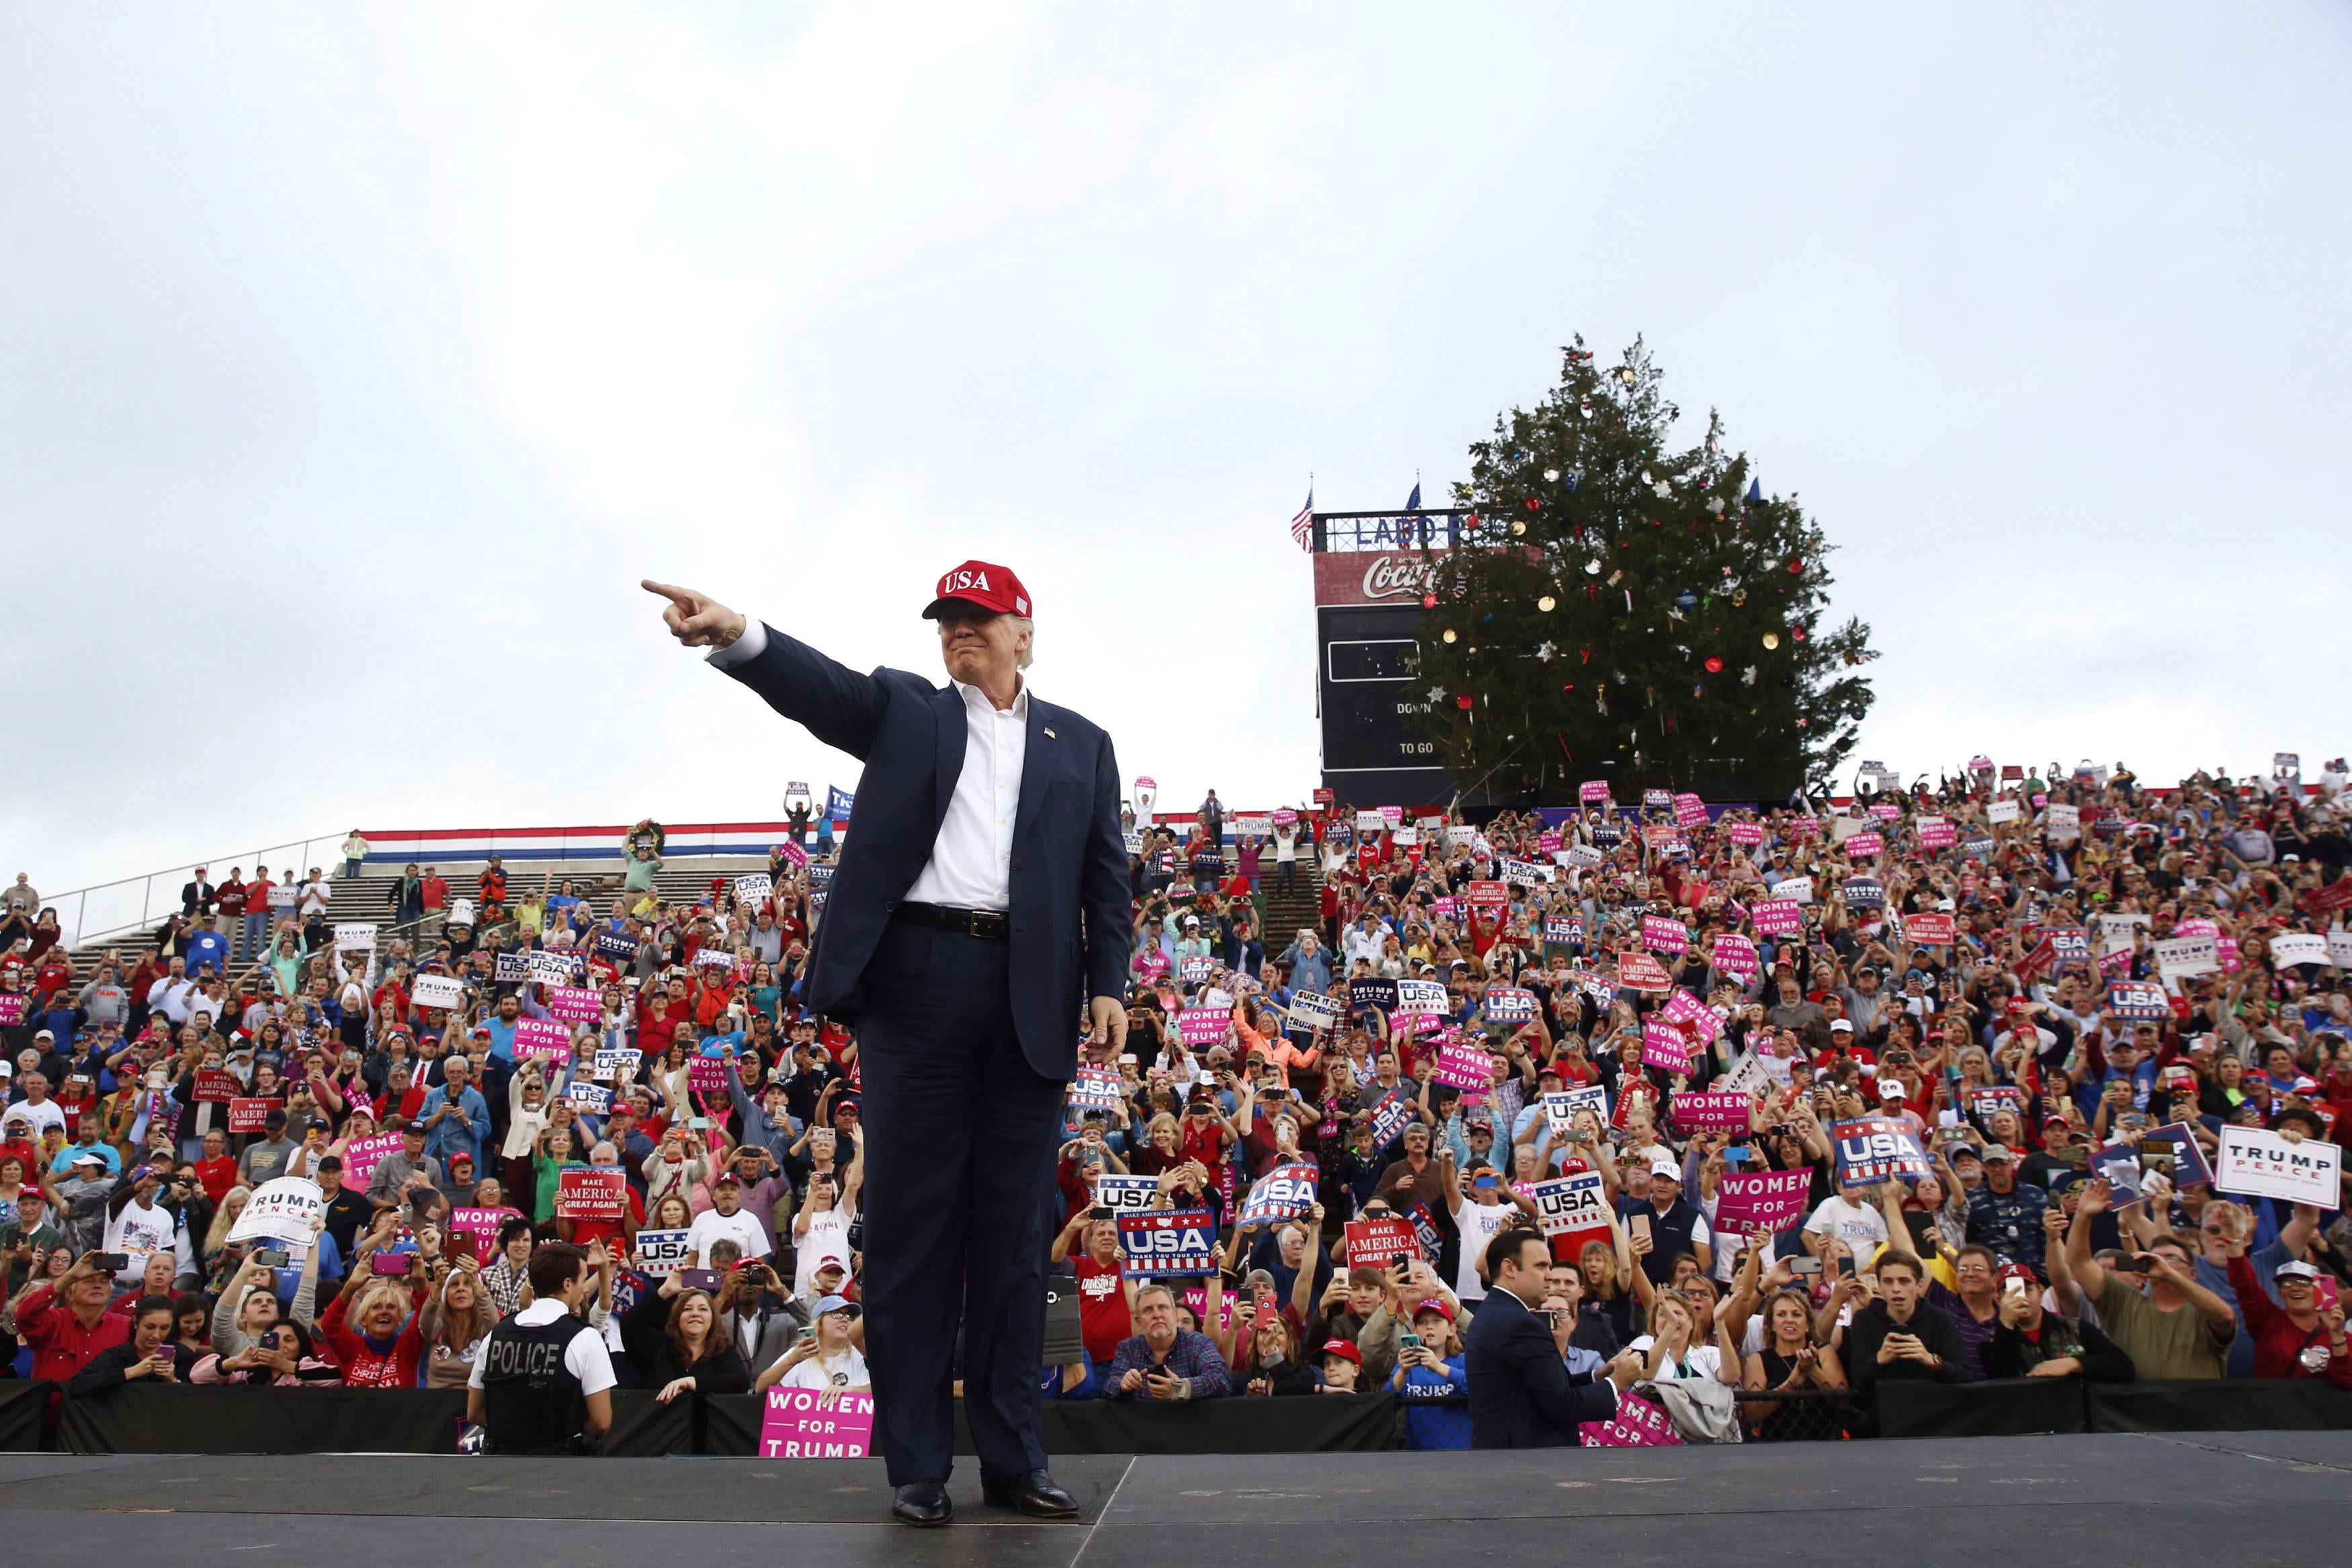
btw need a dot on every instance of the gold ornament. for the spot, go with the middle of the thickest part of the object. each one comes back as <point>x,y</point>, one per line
<point>1546,603</point>
<point>1449,633</point>
<point>1771,639</point>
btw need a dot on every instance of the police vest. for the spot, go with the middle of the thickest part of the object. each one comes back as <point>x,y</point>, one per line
<point>530,1400</point>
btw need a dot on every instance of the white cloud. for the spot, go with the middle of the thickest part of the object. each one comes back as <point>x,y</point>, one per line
<point>360,362</point>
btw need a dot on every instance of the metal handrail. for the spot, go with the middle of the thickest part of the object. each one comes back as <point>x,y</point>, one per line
<point>114,910</point>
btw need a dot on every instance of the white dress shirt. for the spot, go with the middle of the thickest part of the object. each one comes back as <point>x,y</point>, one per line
<point>972,860</point>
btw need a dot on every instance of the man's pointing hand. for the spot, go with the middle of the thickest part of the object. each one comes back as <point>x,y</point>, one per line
<point>695,619</point>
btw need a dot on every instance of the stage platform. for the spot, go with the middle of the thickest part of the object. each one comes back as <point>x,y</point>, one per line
<point>2244,1498</point>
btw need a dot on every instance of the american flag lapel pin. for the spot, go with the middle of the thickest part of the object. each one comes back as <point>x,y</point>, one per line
<point>1049,733</point>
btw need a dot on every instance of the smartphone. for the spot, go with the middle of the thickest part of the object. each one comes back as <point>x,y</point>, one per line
<point>1639,1226</point>
<point>1805,1265</point>
<point>2015,1290</point>
<point>805,1331</point>
<point>2324,1292</point>
<point>110,1262</point>
<point>1409,1340</point>
<point>2132,1266</point>
<point>698,1279</point>
<point>1845,1267</point>
<point>700,1123</point>
<point>1099,1211</point>
<point>1739,1152</point>
<point>270,1258</point>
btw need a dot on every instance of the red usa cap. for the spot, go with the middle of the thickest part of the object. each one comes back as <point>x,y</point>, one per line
<point>992,587</point>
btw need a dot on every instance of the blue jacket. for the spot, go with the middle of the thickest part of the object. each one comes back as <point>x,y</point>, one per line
<point>1069,897</point>
<point>449,1135</point>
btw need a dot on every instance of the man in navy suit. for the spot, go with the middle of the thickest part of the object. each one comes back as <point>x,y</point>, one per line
<point>1521,1394</point>
<point>976,927</point>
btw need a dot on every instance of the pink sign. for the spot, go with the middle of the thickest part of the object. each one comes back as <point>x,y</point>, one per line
<point>1204,1026</point>
<point>1690,811</point>
<point>12,1007</point>
<point>1465,1067</point>
<point>1938,835</point>
<point>1735,954</point>
<point>1778,917</point>
<point>1717,1109</point>
<point>1664,1046</point>
<point>542,1040</point>
<point>1286,818</point>
<point>1639,972</point>
<point>1745,832</point>
<point>1866,844</point>
<point>482,1225</point>
<point>794,853</point>
<point>1766,1200</point>
<point>1693,1015</point>
<point>802,1424</point>
<point>1638,1424</point>
<point>1593,791</point>
<point>708,1074</point>
<point>362,1155</point>
<point>575,1004</point>
<point>1660,934</point>
<point>1886,812</point>
<point>1928,930</point>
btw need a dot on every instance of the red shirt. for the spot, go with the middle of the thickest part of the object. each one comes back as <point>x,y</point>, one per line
<point>217,1176</point>
<point>364,1367</point>
<point>434,892</point>
<point>62,1345</point>
<point>2278,1343</point>
<point>1103,1319</point>
<point>232,897</point>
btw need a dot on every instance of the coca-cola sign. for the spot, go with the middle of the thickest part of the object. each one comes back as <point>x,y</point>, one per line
<point>1387,576</point>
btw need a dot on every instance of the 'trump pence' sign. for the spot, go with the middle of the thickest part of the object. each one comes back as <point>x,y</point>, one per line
<point>2262,1163</point>
<point>280,1210</point>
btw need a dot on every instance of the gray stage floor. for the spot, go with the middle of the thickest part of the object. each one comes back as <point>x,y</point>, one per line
<point>2244,1498</point>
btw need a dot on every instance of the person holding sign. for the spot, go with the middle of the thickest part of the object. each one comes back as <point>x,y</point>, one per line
<point>981,906</point>
<point>2150,1303</point>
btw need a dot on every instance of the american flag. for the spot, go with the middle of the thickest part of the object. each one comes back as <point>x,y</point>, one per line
<point>1302,527</point>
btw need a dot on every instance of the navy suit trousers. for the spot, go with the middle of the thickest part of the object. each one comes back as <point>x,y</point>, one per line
<point>962,1136</point>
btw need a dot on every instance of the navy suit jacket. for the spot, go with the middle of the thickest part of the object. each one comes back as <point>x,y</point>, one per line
<point>1070,904</point>
<point>1520,1396</point>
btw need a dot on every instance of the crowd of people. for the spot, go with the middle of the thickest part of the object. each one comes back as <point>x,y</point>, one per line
<point>2062,986</point>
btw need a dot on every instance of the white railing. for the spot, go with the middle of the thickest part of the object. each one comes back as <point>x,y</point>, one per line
<point>107,909</point>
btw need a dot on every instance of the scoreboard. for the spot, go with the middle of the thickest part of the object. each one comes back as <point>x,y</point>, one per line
<point>1368,614</point>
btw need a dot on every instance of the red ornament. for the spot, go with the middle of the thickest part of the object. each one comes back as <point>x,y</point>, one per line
<point>1462,701</point>
<point>1796,567</point>
<point>1800,724</point>
<point>1714,667</point>
<point>1534,505</point>
<point>1429,601</point>
<point>1798,633</point>
<point>1568,687</point>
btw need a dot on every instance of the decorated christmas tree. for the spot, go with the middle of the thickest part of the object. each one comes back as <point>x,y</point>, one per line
<point>1621,611</point>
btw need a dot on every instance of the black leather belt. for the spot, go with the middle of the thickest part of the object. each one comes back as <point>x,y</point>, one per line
<point>991,925</point>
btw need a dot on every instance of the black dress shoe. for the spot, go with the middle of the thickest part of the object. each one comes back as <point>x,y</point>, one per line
<point>1035,1494</point>
<point>923,1503</point>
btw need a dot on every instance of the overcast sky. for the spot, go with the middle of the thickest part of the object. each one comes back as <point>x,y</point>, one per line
<point>356,362</point>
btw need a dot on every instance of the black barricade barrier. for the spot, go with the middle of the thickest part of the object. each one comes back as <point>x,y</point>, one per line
<point>2220,1405</point>
<point>644,1427</point>
<point>1322,1423</point>
<point>248,1419</point>
<point>23,1411</point>
<point>2005,1407</point>
<point>1799,1416</point>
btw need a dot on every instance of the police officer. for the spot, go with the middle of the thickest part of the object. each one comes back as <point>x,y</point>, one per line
<point>543,1382</point>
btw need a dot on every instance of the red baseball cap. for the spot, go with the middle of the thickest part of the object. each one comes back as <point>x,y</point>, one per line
<point>978,583</point>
